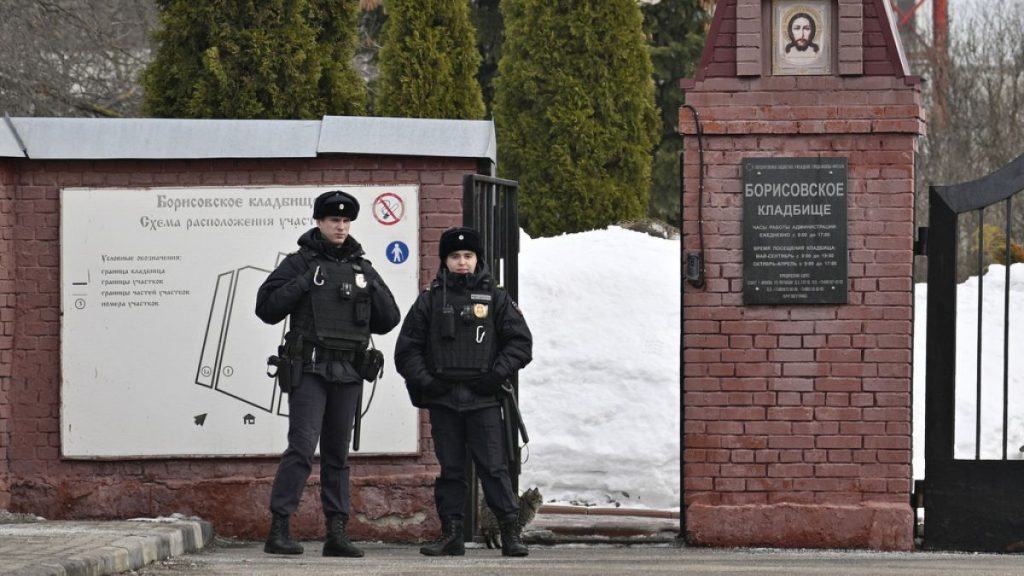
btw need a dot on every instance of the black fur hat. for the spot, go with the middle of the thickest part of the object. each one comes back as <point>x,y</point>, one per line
<point>335,203</point>
<point>462,238</point>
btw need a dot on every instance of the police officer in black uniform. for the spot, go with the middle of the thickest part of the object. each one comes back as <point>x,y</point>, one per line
<point>335,300</point>
<point>460,342</point>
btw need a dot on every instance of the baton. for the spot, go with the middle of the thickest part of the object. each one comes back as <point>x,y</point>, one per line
<point>357,427</point>
<point>511,396</point>
<point>510,436</point>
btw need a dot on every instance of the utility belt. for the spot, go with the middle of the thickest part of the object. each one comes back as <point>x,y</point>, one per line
<point>296,352</point>
<point>313,353</point>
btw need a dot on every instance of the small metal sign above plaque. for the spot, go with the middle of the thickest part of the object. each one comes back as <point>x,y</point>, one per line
<point>794,231</point>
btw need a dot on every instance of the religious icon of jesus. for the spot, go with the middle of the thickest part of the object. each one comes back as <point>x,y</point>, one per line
<point>801,31</point>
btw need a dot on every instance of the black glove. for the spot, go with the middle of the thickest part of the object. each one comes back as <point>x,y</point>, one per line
<point>436,387</point>
<point>488,385</point>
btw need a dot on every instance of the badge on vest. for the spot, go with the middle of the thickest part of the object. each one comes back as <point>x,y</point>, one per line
<point>360,280</point>
<point>480,311</point>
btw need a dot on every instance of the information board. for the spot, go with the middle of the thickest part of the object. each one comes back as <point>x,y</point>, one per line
<point>162,353</point>
<point>794,230</point>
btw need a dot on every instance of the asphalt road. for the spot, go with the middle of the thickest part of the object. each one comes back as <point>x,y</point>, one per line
<point>226,558</point>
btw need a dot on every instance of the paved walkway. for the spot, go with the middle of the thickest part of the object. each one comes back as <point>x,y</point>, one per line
<point>563,542</point>
<point>71,548</point>
<point>31,547</point>
<point>248,559</point>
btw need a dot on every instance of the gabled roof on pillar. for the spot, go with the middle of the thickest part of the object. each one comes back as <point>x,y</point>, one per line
<point>867,41</point>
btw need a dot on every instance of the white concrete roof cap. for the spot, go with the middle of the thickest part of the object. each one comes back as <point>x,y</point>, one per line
<point>408,137</point>
<point>167,139</point>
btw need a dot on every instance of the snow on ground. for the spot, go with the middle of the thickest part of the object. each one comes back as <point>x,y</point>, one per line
<point>601,398</point>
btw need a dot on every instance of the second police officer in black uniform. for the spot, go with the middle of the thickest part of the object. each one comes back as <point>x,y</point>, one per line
<point>460,342</point>
<point>335,300</point>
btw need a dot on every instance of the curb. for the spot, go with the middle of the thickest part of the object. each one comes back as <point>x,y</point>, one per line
<point>133,544</point>
<point>594,511</point>
<point>557,524</point>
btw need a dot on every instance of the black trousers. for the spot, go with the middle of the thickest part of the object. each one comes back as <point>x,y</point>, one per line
<point>324,411</point>
<point>482,432</point>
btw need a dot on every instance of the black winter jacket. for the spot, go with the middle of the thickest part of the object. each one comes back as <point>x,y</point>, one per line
<point>287,287</point>
<point>413,355</point>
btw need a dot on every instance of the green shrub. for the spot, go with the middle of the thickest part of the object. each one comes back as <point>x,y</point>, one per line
<point>429,61</point>
<point>574,111</point>
<point>232,59</point>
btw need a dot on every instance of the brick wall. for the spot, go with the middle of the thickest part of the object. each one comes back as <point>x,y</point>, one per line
<point>797,419</point>
<point>6,322</point>
<point>392,496</point>
<point>852,36</point>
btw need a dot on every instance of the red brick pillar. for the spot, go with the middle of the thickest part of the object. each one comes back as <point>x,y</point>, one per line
<point>7,268</point>
<point>797,417</point>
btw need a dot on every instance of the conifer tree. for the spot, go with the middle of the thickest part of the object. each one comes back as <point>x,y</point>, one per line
<point>574,110</point>
<point>486,18</point>
<point>272,59</point>
<point>676,31</point>
<point>341,87</point>
<point>429,61</point>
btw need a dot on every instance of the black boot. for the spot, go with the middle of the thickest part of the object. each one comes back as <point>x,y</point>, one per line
<point>512,537</point>
<point>337,543</point>
<point>279,541</point>
<point>450,543</point>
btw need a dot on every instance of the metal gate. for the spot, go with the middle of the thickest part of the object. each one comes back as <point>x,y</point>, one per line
<point>971,501</point>
<point>491,206</point>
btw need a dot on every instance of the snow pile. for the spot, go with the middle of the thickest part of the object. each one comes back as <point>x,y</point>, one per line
<point>601,398</point>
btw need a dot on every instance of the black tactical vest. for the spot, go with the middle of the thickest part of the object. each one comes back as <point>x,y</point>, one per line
<point>337,314</point>
<point>462,332</point>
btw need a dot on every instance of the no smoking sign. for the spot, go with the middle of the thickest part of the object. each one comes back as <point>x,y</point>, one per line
<point>388,209</point>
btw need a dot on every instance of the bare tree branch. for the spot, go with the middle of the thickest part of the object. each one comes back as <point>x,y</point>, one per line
<point>73,57</point>
<point>985,115</point>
